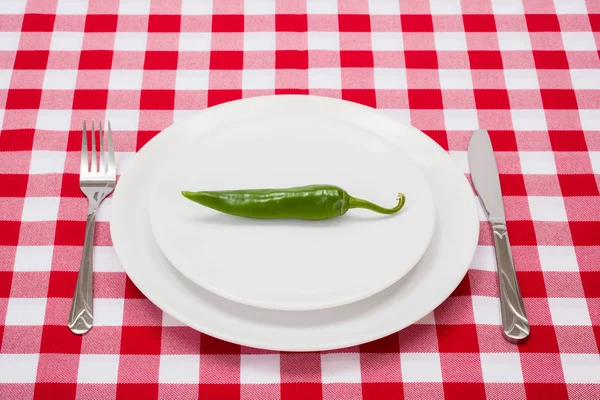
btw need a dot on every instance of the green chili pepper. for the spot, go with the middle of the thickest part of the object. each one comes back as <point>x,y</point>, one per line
<point>313,202</point>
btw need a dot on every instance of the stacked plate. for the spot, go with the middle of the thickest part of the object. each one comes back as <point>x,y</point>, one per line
<point>285,284</point>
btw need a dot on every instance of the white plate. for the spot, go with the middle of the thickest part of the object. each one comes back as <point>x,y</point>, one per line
<point>428,284</point>
<point>291,264</point>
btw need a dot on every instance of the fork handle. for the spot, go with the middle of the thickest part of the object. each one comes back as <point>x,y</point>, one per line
<point>82,311</point>
<point>514,320</point>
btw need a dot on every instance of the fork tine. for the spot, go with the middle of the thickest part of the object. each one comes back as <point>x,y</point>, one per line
<point>94,166</point>
<point>112,167</point>
<point>84,168</point>
<point>102,165</point>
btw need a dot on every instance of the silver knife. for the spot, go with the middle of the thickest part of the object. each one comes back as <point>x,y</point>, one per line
<point>486,180</point>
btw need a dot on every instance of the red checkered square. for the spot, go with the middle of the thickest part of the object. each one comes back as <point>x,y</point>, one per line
<point>31,59</point>
<point>211,345</point>
<point>494,99</point>
<point>226,60</point>
<point>95,59</point>
<point>227,23</point>
<point>479,23</point>
<point>38,23</point>
<point>164,23</point>
<point>354,23</point>
<point>546,390</point>
<point>416,23</point>
<point>9,233</point>
<point>464,391</point>
<point>421,59</point>
<point>140,340</point>
<point>361,96</point>
<point>382,391</point>
<point>558,99</point>
<point>291,22</point>
<point>291,59</point>
<point>52,390</point>
<point>550,59</point>
<point>457,338</point>
<point>589,280</point>
<point>425,99</point>
<point>584,233</point>
<point>127,391</point>
<point>59,339</point>
<point>567,140</point>
<point>157,100</point>
<point>101,23</point>
<point>578,185</point>
<point>160,60</point>
<point>542,23</point>
<point>480,59</point>
<point>356,59</point>
<point>541,340</point>
<point>219,391</point>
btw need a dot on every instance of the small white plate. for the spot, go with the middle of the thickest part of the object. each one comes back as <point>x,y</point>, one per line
<point>426,286</point>
<point>291,264</point>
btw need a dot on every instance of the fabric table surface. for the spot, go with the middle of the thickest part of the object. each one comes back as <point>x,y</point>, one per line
<point>528,71</point>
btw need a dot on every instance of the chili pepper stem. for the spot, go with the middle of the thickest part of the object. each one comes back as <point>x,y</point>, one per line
<point>360,203</point>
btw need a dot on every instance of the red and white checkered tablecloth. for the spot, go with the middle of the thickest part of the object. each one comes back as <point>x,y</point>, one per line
<point>528,71</point>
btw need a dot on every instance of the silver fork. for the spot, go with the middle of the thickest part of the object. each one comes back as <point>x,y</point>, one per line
<point>96,183</point>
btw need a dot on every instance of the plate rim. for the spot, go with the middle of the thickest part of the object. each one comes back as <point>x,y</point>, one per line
<point>342,343</point>
<point>184,138</point>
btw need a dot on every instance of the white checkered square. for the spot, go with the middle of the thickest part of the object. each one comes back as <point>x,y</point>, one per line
<point>323,41</point>
<point>461,120</point>
<point>486,310</point>
<point>259,7</point>
<point>521,79</point>
<point>429,319</point>
<point>9,41</point>
<point>325,78</point>
<point>340,368</point>
<point>455,79</point>
<point>108,312</point>
<point>60,79</point>
<point>450,41</point>
<point>585,78</point>
<point>484,259</point>
<point>421,367</point>
<point>40,209</point>
<point>105,259</point>
<point>384,7</point>
<point>569,312</point>
<point>547,208</point>
<point>125,120</point>
<point>390,78</point>
<point>529,120</point>
<point>581,368</point>
<point>18,368</point>
<point>514,41</point>
<point>590,119</point>
<point>558,258</point>
<point>54,120</point>
<point>579,41</point>
<point>13,7</point>
<point>191,79</point>
<point>260,368</point>
<point>508,7</point>
<point>130,41</point>
<point>66,41</point>
<point>501,368</point>
<point>5,75</point>
<point>179,369</point>
<point>47,162</point>
<point>33,258</point>
<point>195,7</point>
<point>25,311</point>
<point>98,368</point>
<point>321,6</point>
<point>258,79</point>
<point>72,7</point>
<point>387,41</point>
<point>570,7</point>
<point>445,7</point>
<point>194,41</point>
<point>595,160</point>
<point>537,162</point>
<point>260,41</point>
<point>125,79</point>
<point>134,7</point>
<point>460,159</point>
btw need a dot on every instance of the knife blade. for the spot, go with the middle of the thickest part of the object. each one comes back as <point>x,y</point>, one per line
<point>486,180</point>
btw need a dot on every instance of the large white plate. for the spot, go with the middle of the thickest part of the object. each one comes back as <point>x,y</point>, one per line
<point>291,264</point>
<point>428,284</point>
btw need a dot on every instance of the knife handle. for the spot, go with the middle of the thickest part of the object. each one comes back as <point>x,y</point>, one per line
<point>514,321</point>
